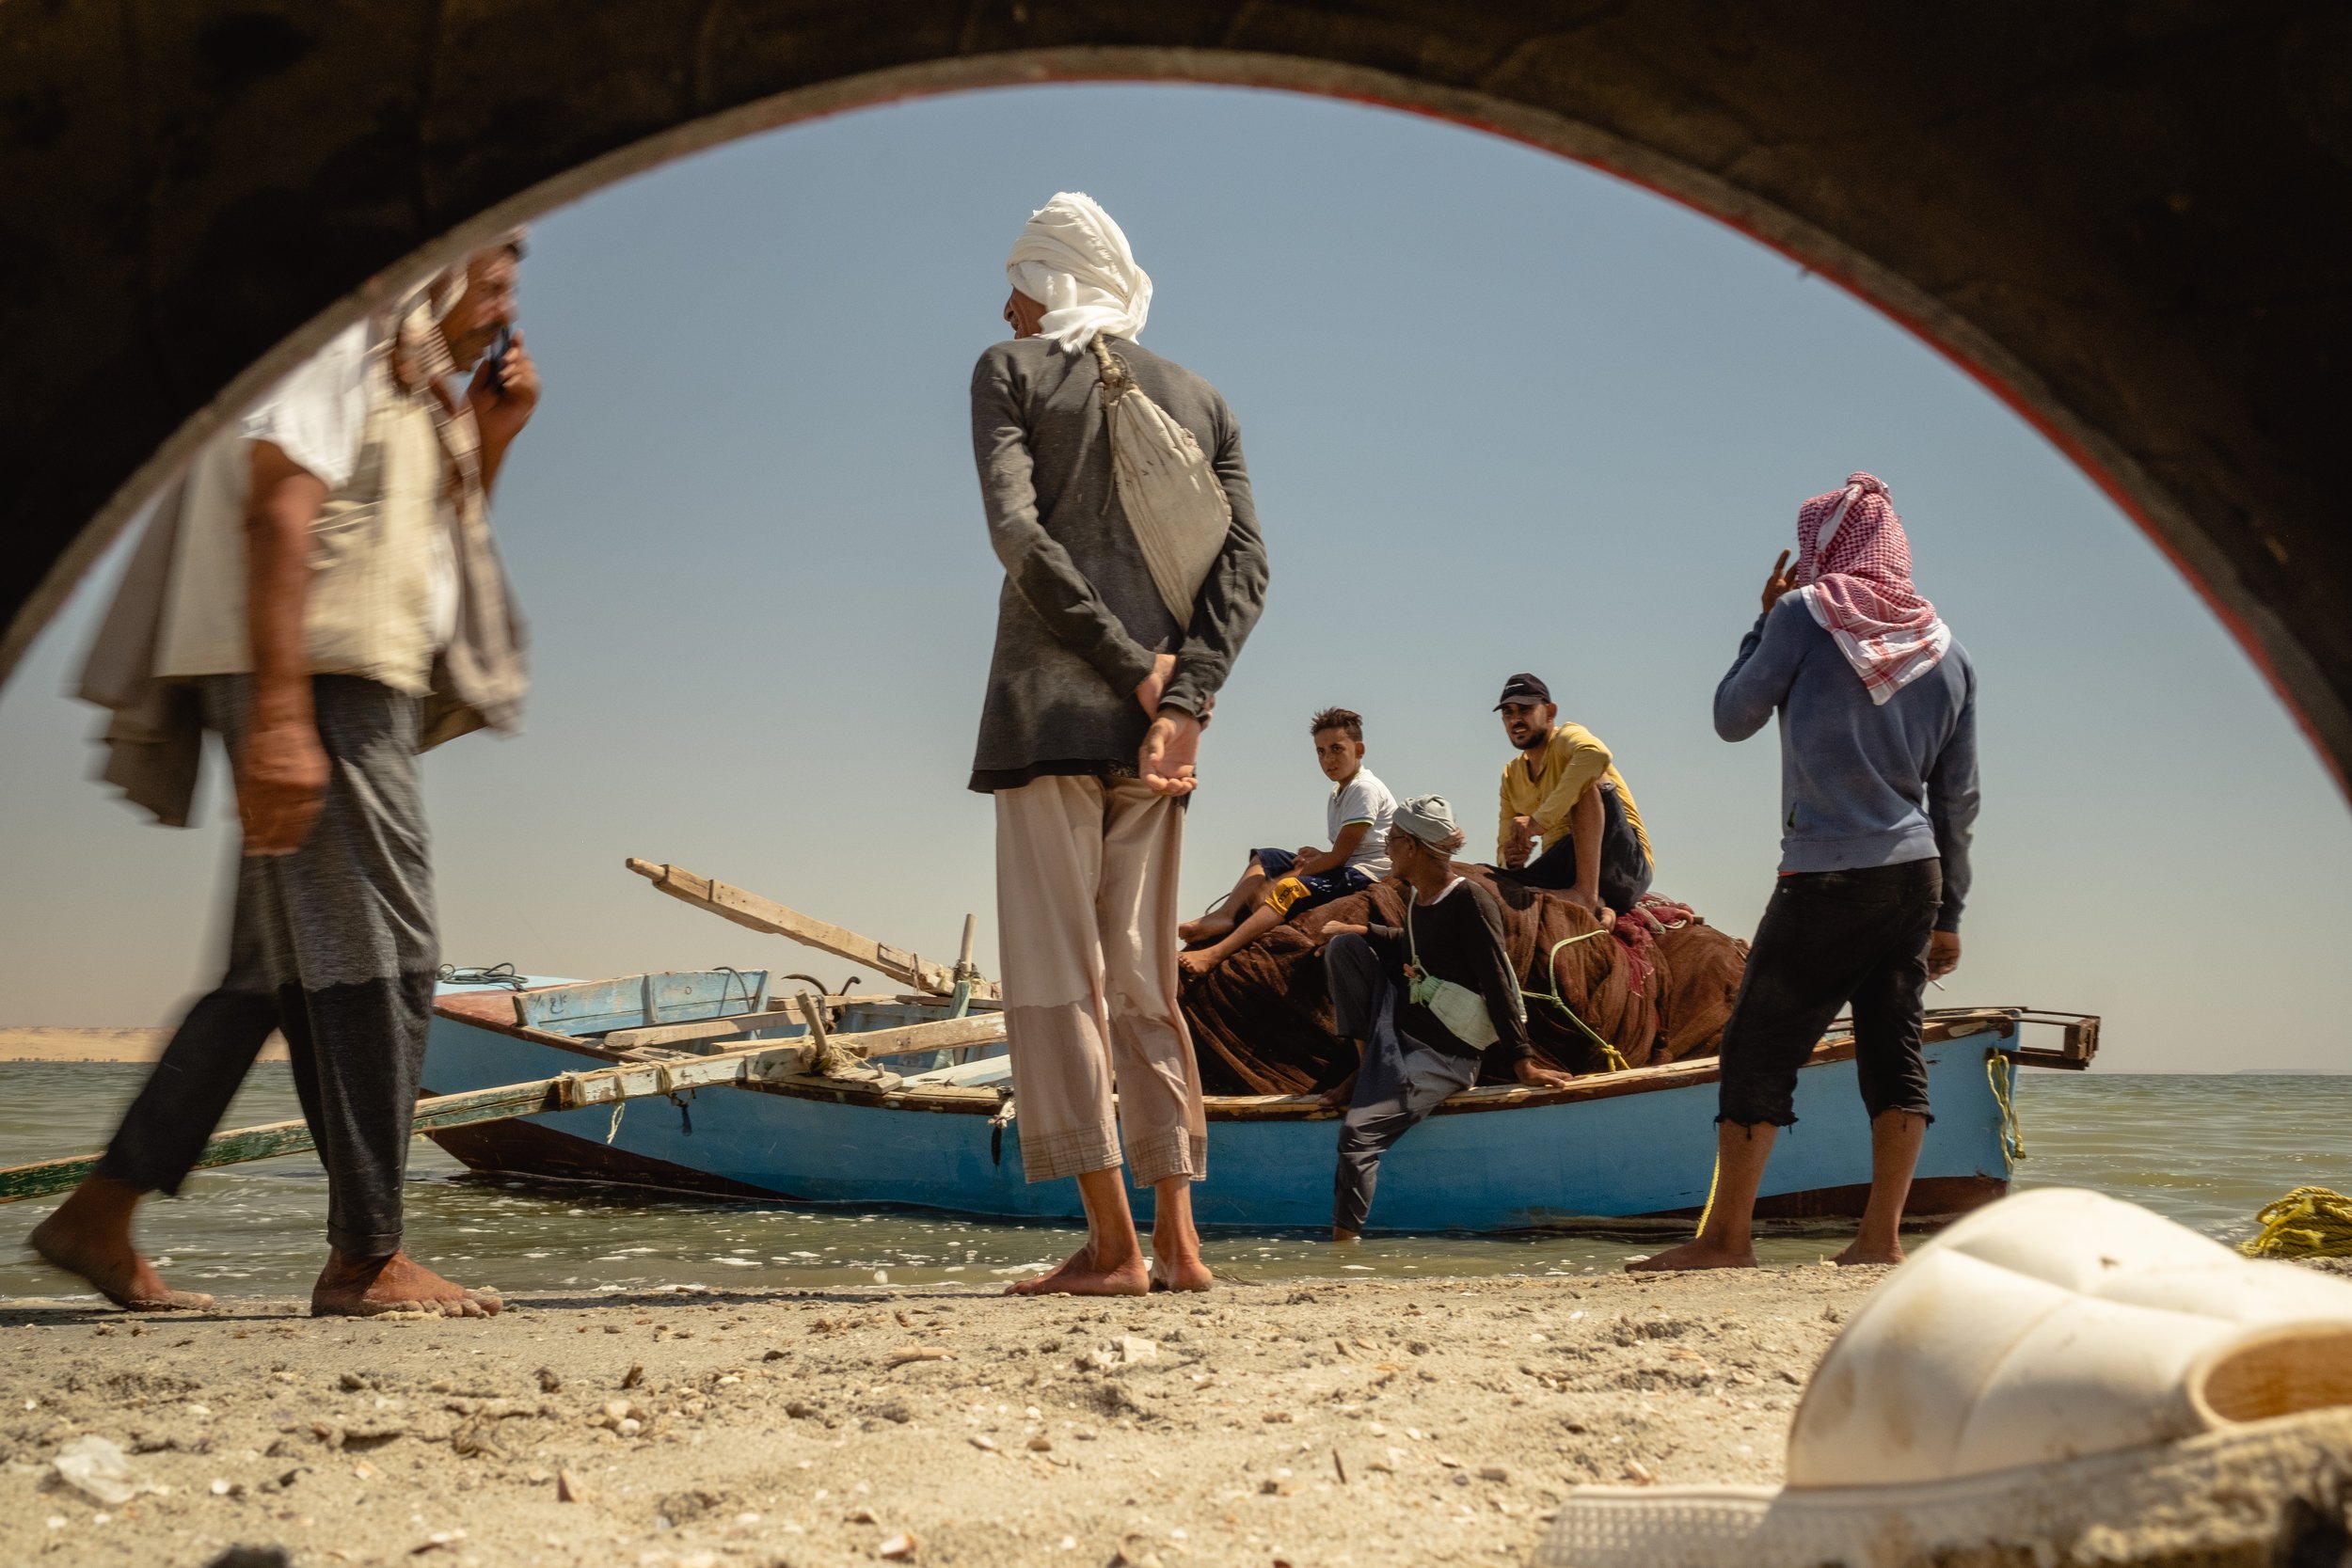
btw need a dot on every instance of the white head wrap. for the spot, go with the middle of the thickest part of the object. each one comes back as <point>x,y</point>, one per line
<point>1073,260</point>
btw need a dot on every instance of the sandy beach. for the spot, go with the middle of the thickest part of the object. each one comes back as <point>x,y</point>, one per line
<point>1364,1422</point>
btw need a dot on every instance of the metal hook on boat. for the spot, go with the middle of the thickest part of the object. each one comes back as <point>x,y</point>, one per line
<point>996,1125</point>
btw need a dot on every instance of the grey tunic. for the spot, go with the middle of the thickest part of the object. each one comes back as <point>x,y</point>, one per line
<point>1078,620</point>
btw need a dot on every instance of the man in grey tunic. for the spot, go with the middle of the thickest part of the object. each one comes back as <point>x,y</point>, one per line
<point>322,592</point>
<point>1088,741</point>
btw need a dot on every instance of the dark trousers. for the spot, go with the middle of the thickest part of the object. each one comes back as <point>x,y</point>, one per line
<point>1625,871</point>
<point>334,946</point>
<point>1399,1083</point>
<point>1830,938</point>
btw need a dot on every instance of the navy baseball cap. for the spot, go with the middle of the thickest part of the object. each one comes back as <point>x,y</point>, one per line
<point>1523,687</point>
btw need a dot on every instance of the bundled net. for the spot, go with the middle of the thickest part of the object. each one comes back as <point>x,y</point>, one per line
<point>1658,989</point>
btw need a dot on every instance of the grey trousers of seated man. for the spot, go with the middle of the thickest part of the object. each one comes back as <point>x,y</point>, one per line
<point>1401,1080</point>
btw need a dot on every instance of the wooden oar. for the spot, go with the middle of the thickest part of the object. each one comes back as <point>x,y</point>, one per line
<point>570,1091</point>
<point>766,914</point>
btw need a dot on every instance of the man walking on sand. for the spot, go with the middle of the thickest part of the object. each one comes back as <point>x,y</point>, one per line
<point>1088,739</point>
<point>1878,766</point>
<point>323,591</point>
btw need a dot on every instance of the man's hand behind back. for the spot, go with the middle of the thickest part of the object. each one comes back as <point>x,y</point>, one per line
<point>1171,751</point>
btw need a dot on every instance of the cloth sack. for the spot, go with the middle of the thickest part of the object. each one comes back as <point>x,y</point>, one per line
<point>1165,485</point>
<point>1462,1010</point>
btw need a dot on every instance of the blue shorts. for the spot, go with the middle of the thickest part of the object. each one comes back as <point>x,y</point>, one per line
<point>1288,895</point>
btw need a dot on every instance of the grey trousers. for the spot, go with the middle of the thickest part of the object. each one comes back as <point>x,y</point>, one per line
<point>334,946</point>
<point>1399,1079</point>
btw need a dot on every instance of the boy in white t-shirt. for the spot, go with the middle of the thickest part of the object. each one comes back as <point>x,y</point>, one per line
<point>1278,883</point>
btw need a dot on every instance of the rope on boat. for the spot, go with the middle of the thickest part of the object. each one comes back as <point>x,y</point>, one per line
<point>1996,1072</point>
<point>2309,1222</point>
<point>1614,1057</point>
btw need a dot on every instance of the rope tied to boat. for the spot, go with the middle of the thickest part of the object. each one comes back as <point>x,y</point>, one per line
<point>2309,1222</point>
<point>1610,1053</point>
<point>1997,1072</point>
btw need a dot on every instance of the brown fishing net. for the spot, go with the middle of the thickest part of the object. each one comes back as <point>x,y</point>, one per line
<point>1262,1021</point>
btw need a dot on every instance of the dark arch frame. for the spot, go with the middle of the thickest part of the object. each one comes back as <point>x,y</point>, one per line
<point>2129,224</point>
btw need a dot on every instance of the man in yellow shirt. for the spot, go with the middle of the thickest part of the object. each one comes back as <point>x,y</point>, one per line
<point>1564,790</point>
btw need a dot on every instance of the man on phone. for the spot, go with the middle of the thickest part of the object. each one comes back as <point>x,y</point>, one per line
<point>1878,766</point>
<point>322,591</point>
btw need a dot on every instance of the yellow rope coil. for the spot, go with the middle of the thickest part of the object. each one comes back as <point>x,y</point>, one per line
<point>1998,1072</point>
<point>2309,1222</point>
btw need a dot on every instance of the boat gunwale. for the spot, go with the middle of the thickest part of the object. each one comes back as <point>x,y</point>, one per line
<point>482,1009</point>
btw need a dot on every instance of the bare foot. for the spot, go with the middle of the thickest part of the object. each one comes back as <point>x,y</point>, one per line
<point>1198,963</point>
<point>1078,1276</point>
<point>352,1287</point>
<point>1858,1256</point>
<point>1207,928</point>
<point>1345,1238</point>
<point>89,1236</point>
<point>1695,1254</point>
<point>1180,1269</point>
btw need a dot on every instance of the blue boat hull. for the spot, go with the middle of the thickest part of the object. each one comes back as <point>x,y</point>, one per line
<point>1531,1165</point>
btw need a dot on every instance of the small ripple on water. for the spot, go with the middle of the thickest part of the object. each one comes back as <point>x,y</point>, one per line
<point>2206,1150</point>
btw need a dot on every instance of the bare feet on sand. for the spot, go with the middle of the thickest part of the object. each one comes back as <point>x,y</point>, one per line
<point>89,1236</point>
<point>352,1287</point>
<point>1695,1254</point>
<point>1858,1256</point>
<point>1078,1276</point>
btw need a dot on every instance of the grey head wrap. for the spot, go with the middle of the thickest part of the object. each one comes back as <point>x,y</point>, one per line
<point>1426,818</point>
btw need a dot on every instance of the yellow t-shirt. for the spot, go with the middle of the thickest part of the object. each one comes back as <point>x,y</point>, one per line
<point>1566,766</point>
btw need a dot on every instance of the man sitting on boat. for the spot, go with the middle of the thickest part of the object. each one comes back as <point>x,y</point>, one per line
<point>1420,1002</point>
<point>1878,706</point>
<point>1564,789</point>
<point>1278,883</point>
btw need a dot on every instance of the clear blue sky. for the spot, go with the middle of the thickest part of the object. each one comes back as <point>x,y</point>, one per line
<point>1501,413</point>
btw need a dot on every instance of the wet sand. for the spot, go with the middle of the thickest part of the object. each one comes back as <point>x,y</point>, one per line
<point>1365,1422</point>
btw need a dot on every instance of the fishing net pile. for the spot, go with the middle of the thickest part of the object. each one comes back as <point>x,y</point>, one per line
<point>1658,989</point>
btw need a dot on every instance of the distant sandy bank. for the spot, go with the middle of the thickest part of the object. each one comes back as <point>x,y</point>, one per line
<point>99,1045</point>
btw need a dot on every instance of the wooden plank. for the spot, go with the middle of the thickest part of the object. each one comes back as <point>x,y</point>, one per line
<point>765,914</point>
<point>719,1028</point>
<point>677,996</point>
<point>571,1091</point>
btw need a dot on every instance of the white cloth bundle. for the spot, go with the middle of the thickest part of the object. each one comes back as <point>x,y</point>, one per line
<point>1072,258</point>
<point>1167,486</point>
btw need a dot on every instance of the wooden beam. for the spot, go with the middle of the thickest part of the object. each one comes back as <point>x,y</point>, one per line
<point>717,1028</point>
<point>765,914</point>
<point>570,1091</point>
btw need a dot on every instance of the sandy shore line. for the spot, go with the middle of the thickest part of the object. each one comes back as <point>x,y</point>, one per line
<point>46,1044</point>
<point>1354,1423</point>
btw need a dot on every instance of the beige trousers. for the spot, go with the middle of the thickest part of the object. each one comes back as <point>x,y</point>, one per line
<point>1085,921</point>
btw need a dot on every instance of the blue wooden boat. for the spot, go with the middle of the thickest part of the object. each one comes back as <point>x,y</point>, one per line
<point>934,1133</point>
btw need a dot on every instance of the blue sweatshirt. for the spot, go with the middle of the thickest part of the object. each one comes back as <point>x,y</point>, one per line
<point>1861,783</point>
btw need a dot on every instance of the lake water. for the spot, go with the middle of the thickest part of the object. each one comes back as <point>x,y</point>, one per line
<point>2206,1150</point>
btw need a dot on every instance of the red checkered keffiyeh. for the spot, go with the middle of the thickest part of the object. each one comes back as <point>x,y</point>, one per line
<point>1853,568</point>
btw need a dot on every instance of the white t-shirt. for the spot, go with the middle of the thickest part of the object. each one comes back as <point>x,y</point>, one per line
<point>1363,798</point>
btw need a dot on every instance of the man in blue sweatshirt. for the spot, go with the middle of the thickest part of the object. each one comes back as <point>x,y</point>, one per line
<point>1878,768</point>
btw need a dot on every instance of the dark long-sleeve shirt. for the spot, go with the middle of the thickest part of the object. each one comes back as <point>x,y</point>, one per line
<point>1460,937</point>
<point>1861,783</point>
<point>1078,621</point>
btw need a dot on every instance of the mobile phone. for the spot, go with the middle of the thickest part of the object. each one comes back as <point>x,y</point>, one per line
<point>497,361</point>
